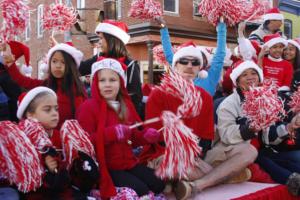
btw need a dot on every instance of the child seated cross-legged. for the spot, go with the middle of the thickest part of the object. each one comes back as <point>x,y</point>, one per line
<point>107,116</point>
<point>38,114</point>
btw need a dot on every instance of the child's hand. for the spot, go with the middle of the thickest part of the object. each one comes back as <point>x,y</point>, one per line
<point>264,51</point>
<point>295,123</point>
<point>151,135</point>
<point>52,42</point>
<point>51,163</point>
<point>8,59</point>
<point>123,132</point>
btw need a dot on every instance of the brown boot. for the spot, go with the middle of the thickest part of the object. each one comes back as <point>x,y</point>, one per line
<point>183,190</point>
<point>243,176</point>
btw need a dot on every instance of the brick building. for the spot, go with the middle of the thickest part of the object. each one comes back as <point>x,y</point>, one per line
<point>183,21</point>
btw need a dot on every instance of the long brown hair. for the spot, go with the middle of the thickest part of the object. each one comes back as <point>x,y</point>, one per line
<point>69,80</point>
<point>115,47</point>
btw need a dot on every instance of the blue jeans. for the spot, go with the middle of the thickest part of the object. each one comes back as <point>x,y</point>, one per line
<point>280,165</point>
<point>8,193</point>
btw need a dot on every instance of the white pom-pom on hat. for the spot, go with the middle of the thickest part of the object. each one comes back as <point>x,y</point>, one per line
<point>202,74</point>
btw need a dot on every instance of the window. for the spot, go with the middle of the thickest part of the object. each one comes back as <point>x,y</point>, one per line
<point>68,2</point>
<point>196,7</point>
<point>119,8</point>
<point>288,25</point>
<point>28,31</point>
<point>80,4</point>
<point>171,6</point>
<point>40,13</point>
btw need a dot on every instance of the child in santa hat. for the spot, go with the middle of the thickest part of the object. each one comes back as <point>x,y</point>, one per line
<point>38,111</point>
<point>292,54</point>
<point>113,37</point>
<point>272,21</point>
<point>208,80</point>
<point>274,67</point>
<point>63,62</point>
<point>107,116</point>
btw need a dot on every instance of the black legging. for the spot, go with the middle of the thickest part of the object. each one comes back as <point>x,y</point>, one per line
<point>140,178</point>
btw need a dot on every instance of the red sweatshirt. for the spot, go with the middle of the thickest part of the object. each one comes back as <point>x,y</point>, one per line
<point>64,102</point>
<point>202,125</point>
<point>278,70</point>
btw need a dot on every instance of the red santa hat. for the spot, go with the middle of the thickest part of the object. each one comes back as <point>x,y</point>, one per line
<point>272,39</point>
<point>273,14</point>
<point>18,49</point>
<point>189,49</point>
<point>295,42</point>
<point>248,49</point>
<point>115,28</point>
<point>25,98</point>
<point>109,63</point>
<point>240,67</point>
<point>72,51</point>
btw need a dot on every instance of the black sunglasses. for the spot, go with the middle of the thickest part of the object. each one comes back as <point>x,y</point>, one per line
<point>184,61</point>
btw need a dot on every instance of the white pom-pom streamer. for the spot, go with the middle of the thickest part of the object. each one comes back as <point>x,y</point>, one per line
<point>75,139</point>
<point>19,161</point>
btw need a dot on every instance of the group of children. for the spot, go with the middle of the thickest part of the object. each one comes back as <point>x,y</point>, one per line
<point>115,105</point>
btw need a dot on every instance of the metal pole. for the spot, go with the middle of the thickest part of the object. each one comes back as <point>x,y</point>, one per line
<point>150,60</point>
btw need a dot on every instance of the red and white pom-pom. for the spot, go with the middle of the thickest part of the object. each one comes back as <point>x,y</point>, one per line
<point>75,139</point>
<point>185,90</point>
<point>59,17</point>
<point>145,9</point>
<point>256,9</point>
<point>20,163</point>
<point>263,106</point>
<point>181,148</point>
<point>36,133</point>
<point>233,11</point>
<point>158,55</point>
<point>15,15</point>
<point>295,101</point>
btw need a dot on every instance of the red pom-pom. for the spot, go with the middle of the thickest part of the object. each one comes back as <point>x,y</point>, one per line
<point>75,139</point>
<point>185,90</point>
<point>233,11</point>
<point>145,9</point>
<point>181,143</point>
<point>15,15</point>
<point>59,17</point>
<point>19,160</point>
<point>295,101</point>
<point>36,133</point>
<point>181,148</point>
<point>263,106</point>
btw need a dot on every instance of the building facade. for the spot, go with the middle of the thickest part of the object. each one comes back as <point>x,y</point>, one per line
<point>291,11</point>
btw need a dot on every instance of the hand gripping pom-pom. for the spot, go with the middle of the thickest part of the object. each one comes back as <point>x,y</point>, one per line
<point>19,160</point>
<point>75,139</point>
<point>145,9</point>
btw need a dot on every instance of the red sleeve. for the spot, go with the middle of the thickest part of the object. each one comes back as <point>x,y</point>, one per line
<point>87,119</point>
<point>154,108</point>
<point>288,75</point>
<point>22,80</point>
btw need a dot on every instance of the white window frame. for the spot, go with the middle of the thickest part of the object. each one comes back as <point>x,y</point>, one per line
<point>39,24</point>
<point>80,4</point>
<point>119,8</point>
<point>176,8</point>
<point>28,29</point>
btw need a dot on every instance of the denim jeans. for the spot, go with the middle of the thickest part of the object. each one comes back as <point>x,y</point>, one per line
<point>280,165</point>
<point>7,193</point>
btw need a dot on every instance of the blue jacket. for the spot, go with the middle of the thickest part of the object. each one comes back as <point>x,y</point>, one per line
<point>214,73</point>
